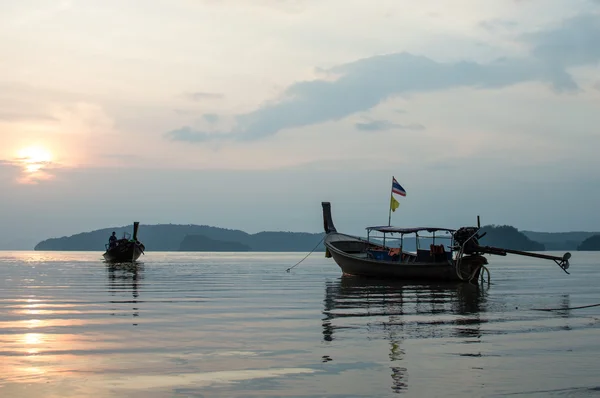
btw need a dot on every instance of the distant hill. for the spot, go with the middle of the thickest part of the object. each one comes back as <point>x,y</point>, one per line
<point>200,243</point>
<point>508,237</point>
<point>170,237</point>
<point>590,244</point>
<point>177,237</point>
<point>560,240</point>
<point>504,236</point>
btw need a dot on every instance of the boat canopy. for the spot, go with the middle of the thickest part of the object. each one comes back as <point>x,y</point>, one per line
<point>387,229</point>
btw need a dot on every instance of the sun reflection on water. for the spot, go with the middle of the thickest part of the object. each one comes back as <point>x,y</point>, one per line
<point>34,323</point>
<point>32,338</point>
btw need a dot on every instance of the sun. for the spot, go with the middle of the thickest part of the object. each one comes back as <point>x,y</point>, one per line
<point>34,158</point>
<point>37,163</point>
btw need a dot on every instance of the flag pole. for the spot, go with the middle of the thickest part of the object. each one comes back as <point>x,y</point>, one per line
<point>390,210</point>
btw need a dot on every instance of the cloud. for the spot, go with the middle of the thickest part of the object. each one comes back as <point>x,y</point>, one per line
<point>29,171</point>
<point>187,134</point>
<point>575,42</point>
<point>496,24</point>
<point>382,125</point>
<point>365,83</point>
<point>122,156</point>
<point>19,116</point>
<point>8,164</point>
<point>211,117</point>
<point>285,6</point>
<point>201,96</point>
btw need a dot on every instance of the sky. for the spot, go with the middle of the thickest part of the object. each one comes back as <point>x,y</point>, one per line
<point>248,114</point>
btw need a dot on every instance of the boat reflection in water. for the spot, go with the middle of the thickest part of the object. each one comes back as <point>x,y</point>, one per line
<point>124,278</point>
<point>395,311</point>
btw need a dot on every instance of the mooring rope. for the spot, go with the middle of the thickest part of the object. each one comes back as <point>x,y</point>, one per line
<point>459,258</point>
<point>305,257</point>
<point>488,274</point>
<point>564,309</point>
<point>478,268</point>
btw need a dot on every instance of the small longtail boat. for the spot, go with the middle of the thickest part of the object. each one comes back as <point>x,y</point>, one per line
<point>462,260</point>
<point>126,249</point>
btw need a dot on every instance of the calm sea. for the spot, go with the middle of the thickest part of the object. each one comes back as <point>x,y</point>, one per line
<point>239,325</point>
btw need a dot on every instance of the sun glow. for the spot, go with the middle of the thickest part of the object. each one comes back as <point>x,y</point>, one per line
<point>34,158</point>
<point>34,161</point>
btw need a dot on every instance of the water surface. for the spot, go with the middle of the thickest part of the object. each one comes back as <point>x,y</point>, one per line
<point>238,325</point>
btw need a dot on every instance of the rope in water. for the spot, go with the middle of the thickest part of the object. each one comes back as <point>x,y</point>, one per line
<point>305,257</point>
<point>484,268</point>
<point>568,308</point>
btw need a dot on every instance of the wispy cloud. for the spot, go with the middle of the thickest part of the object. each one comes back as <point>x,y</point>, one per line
<point>122,156</point>
<point>383,125</point>
<point>202,96</point>
<point>211,117</point>
<point>188,134</point>
<point>572,43</point>
<point>363,84</point>
<point>31,171</point>
<point>21,116</point>
<point>496,24</point>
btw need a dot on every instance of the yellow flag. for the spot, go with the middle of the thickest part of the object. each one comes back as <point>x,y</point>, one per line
<point>394,203</point>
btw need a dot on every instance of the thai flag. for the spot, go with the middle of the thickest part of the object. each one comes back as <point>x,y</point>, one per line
<point>397,188</point>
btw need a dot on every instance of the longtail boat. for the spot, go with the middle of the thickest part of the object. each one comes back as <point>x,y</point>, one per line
<point>126,249</point>
<point>462,260</point>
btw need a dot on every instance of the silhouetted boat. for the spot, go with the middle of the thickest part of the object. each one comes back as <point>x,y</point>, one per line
<point>463,261</point>
<point>125,250</point>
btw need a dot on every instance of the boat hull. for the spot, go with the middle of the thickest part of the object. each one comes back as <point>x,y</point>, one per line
<point>357,264</point>
<point>127,252</point>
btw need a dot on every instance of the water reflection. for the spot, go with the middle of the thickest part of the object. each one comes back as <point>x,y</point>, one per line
<point>125,277</point>
<point>395,311</point>
<point>456,304</point>
<point>564,305</point>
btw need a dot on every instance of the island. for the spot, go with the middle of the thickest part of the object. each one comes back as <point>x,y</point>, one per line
<point>590,244</point>
<point>189,237</point>
<point>560,240</point>
<point>204,238</point>
<point>508,237</point>
<point>201,243</point>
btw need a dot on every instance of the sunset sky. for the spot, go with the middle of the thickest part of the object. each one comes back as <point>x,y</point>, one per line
<point>247,114</point>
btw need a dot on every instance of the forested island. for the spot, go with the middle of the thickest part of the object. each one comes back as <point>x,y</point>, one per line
<point>590,244</point>
<point>177,237</point>
<point>508,237</point>
<point>560,240</point>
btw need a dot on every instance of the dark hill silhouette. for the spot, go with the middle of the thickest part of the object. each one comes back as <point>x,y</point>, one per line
<point>173,237</point>
<point>560,240</point>
<point>169,237</point>
<point>505,236</point>
<point>590,244</point>
<point>200,243</point>
<point>508,237</point>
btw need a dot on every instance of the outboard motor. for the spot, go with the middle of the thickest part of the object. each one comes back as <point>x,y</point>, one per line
<point>468,237</point>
